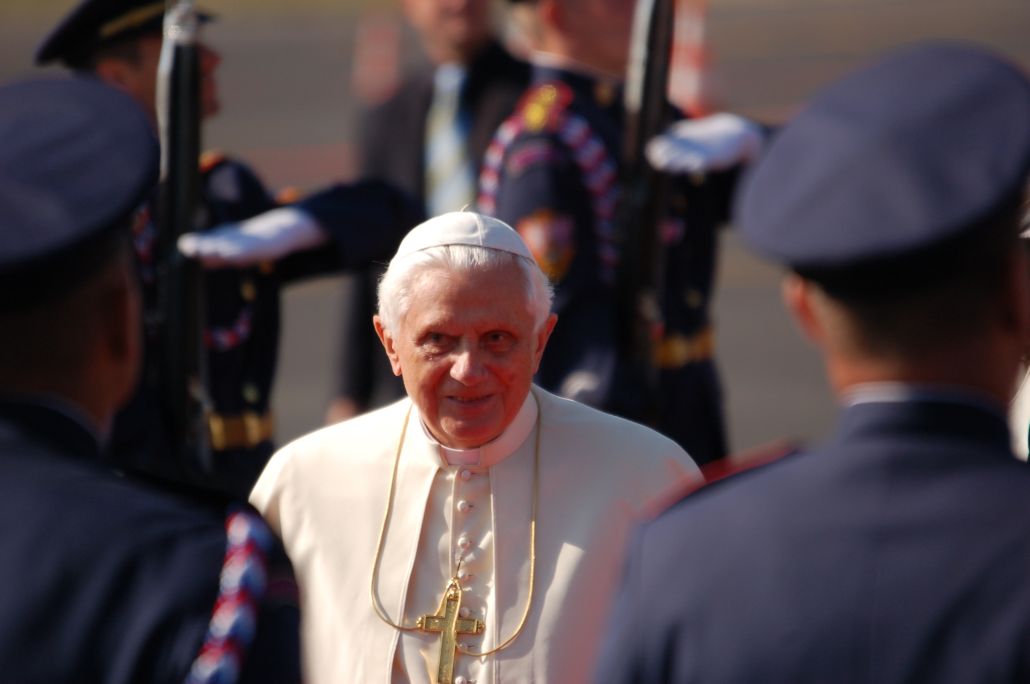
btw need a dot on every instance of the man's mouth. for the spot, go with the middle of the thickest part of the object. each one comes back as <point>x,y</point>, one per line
<point>471,402</point>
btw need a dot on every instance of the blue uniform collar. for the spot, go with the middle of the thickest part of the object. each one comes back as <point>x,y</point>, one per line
<point>607,93</point>
<point>945,415</point>
<point>49,422</point>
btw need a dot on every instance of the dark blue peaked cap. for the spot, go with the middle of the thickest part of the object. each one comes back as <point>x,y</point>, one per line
<point>897,159</point>
<point>91,24</point>
<point>77,159</point>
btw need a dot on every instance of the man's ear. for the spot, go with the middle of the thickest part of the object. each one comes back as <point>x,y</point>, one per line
<point>119,323</point>
<point>543,334</point>
<point>1017,314</point>
<point>797,298</point>
<point>115,72</point>
<point>386,337</point>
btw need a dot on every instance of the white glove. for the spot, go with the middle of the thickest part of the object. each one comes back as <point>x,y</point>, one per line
<point>712,143</point>
<point>266,237</point>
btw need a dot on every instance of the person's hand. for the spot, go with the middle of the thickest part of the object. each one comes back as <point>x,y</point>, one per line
<point>266,237</point>
<point>712,143</point>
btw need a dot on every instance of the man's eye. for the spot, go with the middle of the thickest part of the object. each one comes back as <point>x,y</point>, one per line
<point>498,341</point>
<point>434,342</point>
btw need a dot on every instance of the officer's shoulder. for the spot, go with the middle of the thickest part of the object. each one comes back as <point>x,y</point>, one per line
<point>547,129</point>
<point>212,161</point>
<point>218,574</point>
<point>726,474</point>
<point>168,512</point>
<point>230,182</point>
<point>542,109</point>
<point>218,167</point>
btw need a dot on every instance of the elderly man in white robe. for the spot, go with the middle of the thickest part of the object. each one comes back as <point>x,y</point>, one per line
<point>472,532</point>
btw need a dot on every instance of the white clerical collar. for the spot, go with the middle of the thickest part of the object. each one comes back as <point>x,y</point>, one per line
<point>497,450</point>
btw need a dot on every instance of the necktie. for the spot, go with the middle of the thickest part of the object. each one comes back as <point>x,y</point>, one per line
<point>450,182</point>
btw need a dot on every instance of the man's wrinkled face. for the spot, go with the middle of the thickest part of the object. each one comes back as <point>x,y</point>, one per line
<point>467,351</point>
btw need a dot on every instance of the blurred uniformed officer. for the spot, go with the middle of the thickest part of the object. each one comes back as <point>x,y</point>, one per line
<point>552,173</point>
<point>103,579</point>
<point>898,551</point>
<point>119,42</point>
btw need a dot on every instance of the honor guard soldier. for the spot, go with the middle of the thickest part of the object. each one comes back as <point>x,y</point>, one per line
<point>897,552</point>
<point>120,42</point>
<point>104,579</point>
<point>552,172</point>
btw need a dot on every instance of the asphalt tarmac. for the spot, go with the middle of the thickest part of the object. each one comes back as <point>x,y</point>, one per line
<point>287,109</point>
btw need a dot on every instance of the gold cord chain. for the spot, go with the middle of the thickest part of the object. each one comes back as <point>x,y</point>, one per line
<point>373,594</point>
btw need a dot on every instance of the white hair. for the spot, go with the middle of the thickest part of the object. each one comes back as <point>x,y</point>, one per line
<point>401,278</point>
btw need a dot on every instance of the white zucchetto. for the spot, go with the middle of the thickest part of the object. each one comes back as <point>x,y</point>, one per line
<point>463,228</point>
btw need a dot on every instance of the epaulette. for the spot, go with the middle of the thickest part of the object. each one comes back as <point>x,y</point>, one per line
<point>542,107</point>
<point>209,159</point>
<point>724,469</point>
<point>242,586</point>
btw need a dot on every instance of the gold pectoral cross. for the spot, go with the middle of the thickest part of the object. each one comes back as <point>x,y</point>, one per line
<point>447,622</point>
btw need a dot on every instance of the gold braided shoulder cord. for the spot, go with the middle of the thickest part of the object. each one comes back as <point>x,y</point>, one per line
<point>373,593</point>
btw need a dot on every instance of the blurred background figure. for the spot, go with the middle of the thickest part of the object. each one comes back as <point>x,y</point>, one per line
<point>429,138</point>
<point>104,579</point>
<point>555,172</point>
<point>908,275</point>
<point>120,42</point>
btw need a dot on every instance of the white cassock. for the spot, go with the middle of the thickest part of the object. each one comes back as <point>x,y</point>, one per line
<point>326,493</point>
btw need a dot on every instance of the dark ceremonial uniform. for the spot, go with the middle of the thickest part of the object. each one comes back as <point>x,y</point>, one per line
<point>393,149</point>
<point>241,337</point>
<point>106,581</point>
<point>243,314</point>
<point>552,173</point>
<point>896,553</point>
<point>243,308</point>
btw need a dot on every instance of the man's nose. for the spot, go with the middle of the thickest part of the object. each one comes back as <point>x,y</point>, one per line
<point>468,366</point>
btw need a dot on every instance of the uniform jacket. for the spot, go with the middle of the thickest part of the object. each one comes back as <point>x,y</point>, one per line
<point>243,320</point>
<point>896,553</point>
<point>326,495</point>
<point>105,580</point>
<point>553,174</point>
<point>242,331</point>
<point>392,149</point>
